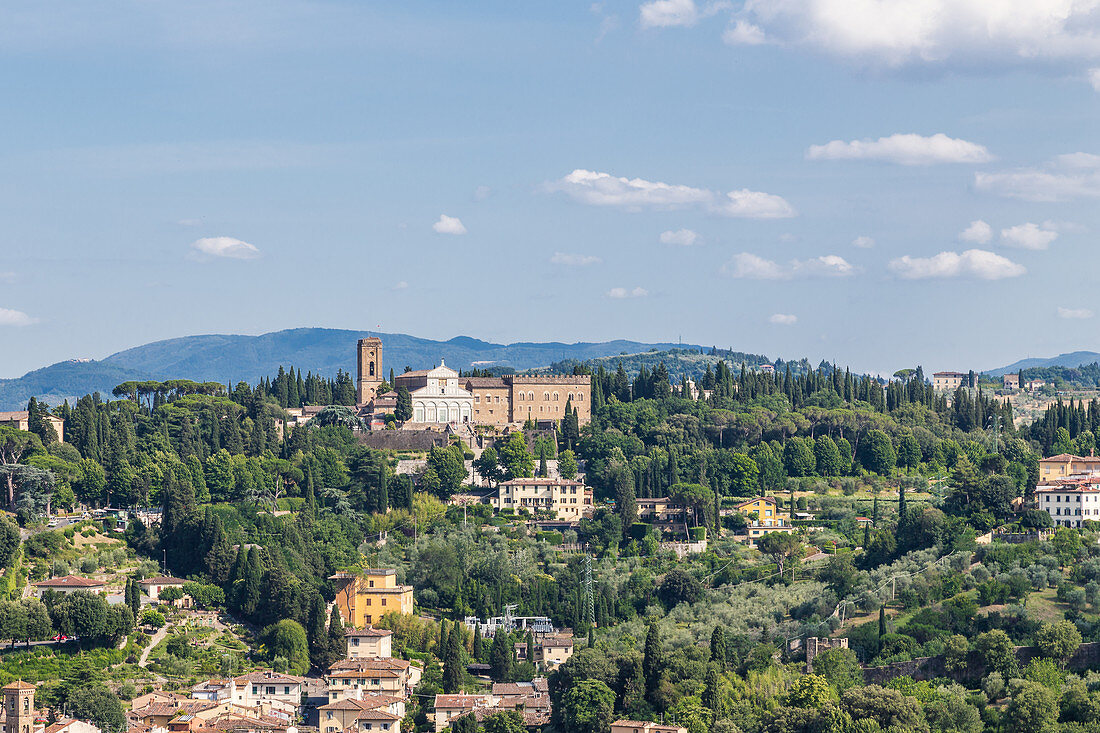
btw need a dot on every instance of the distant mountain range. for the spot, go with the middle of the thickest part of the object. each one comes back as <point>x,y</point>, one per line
<point>1072,360</point>
<point>223,358</point>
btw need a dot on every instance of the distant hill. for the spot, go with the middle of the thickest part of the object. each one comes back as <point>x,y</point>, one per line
<point>1072,360</point>
<point>225,358</point>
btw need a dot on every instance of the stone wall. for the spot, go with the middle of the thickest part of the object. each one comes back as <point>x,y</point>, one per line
<point>1086,657</point>
<point>408,440</point>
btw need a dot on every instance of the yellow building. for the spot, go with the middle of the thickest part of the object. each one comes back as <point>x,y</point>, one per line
<point>764,517</point>
<point>764,511</point>
<point>565,499</point>
<point>366,597</point>
<point>1064,464</point>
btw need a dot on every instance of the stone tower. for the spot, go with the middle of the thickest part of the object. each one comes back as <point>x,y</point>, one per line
<point>19,707</point>
<point>369,369</point>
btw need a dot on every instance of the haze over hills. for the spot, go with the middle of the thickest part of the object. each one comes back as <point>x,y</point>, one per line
<point>228,358</point>
<point>1072,359</point>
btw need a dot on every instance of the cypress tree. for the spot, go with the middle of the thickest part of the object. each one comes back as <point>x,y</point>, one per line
<point>316,633</point>
<point>452,662</point>
<point>479,644</point>
<point>718,646</point>
<point>652,661</point>
<point>881,622</point>
<point>337,642</point>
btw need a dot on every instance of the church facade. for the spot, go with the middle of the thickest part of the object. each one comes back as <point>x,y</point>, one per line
<point>437,396</point>
<point>440,396</point>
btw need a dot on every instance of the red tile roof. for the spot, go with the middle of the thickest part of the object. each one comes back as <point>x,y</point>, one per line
<point>69,581</point>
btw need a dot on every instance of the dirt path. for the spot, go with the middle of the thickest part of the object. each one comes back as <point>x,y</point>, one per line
<point>153,641</point>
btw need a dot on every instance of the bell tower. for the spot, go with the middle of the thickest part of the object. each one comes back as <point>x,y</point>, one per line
<point>19,707</point>
<point>369,369</point>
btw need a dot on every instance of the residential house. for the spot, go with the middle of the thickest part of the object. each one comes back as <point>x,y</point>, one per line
<point>68,584</point>
<point>1064,464</point>
<point>368,713</point>
<point>152,587</point>
<point>449,707</point>
<point>21,420</point>
<point>369,643</point>
<point>354,678</point>
<point>764,517</point>
<point>565,499</point>
<point>365,597</point>
<point>254,688</point>
<point>639,726</point>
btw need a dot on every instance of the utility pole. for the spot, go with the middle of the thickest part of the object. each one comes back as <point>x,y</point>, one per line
<point>588,605</point>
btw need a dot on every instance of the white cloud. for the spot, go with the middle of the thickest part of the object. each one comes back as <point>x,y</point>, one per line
<point>681,237</point>
<point>603,189</point>
<point>905,149</point>
<point>936,34</point>
<point>783,319</point>
<point>9,317</point>
<point>978,232</point>
<point>482,192</point>
<point>619,293</point>
<point>977,263</point>
<point>1028,236</point>
<point>753,267</point>
<point>1071,176</point>
<point>668,13</point>
<point>574,260</point>
<point>449,225</point>
<point>755,205</point>
<point>1094,79</point>
<point>400,285</point>
<point>226,247</point>
<point>863,242</point>
<point>744,34</point>
<point>1074,313</point>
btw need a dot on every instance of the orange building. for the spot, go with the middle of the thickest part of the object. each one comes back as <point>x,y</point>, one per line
<point>364,598</point>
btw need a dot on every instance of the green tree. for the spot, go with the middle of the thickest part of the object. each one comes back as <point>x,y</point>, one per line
<point>877,453</point>
<point>798,457</point>
<point>567,464</point>
<point>488,466</point>
<point>98,705</point>
<point>808,691</point>
<point>784,548</point>
<point>588,707</point>
<point>1058,641</point>
<point>452,662</point>
<point>1032,708</point>
<point>404,409</point>
<point>997,652</point>
<point>827,457</point>
<point>678,586</point>
<point>515,458</point>
<point>718,646</point>
<point>909,454</point>
<point>501,657</point>
<point>337,642</point>
<point>288,639</point>
<point>839,667</point>
<point>506,721</point>
<point>653,663</point>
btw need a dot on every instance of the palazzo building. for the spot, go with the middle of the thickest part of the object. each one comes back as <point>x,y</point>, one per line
<point>437,396</point>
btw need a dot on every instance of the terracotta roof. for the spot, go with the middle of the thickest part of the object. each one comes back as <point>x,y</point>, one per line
<point>376,715</point>
<point>486,382</point>
<point>17,415</point>
<point>558,640</point>
<point>269,676</point>
<point>369,631</point>
<point>368,664</point>
<point>69,581</point>
<point>462,702</point>
<point>162,580</point>
<point>20,685</point>
<point>769,499</point>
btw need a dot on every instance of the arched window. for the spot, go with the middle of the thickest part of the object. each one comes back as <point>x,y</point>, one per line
<point>530,395</point>
<point>372,368</point>
<point>579,396</point>
<point>555,397</point>
<point>546,396</point>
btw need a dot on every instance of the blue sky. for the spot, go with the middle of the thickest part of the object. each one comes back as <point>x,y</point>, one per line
<point>877,183</point>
